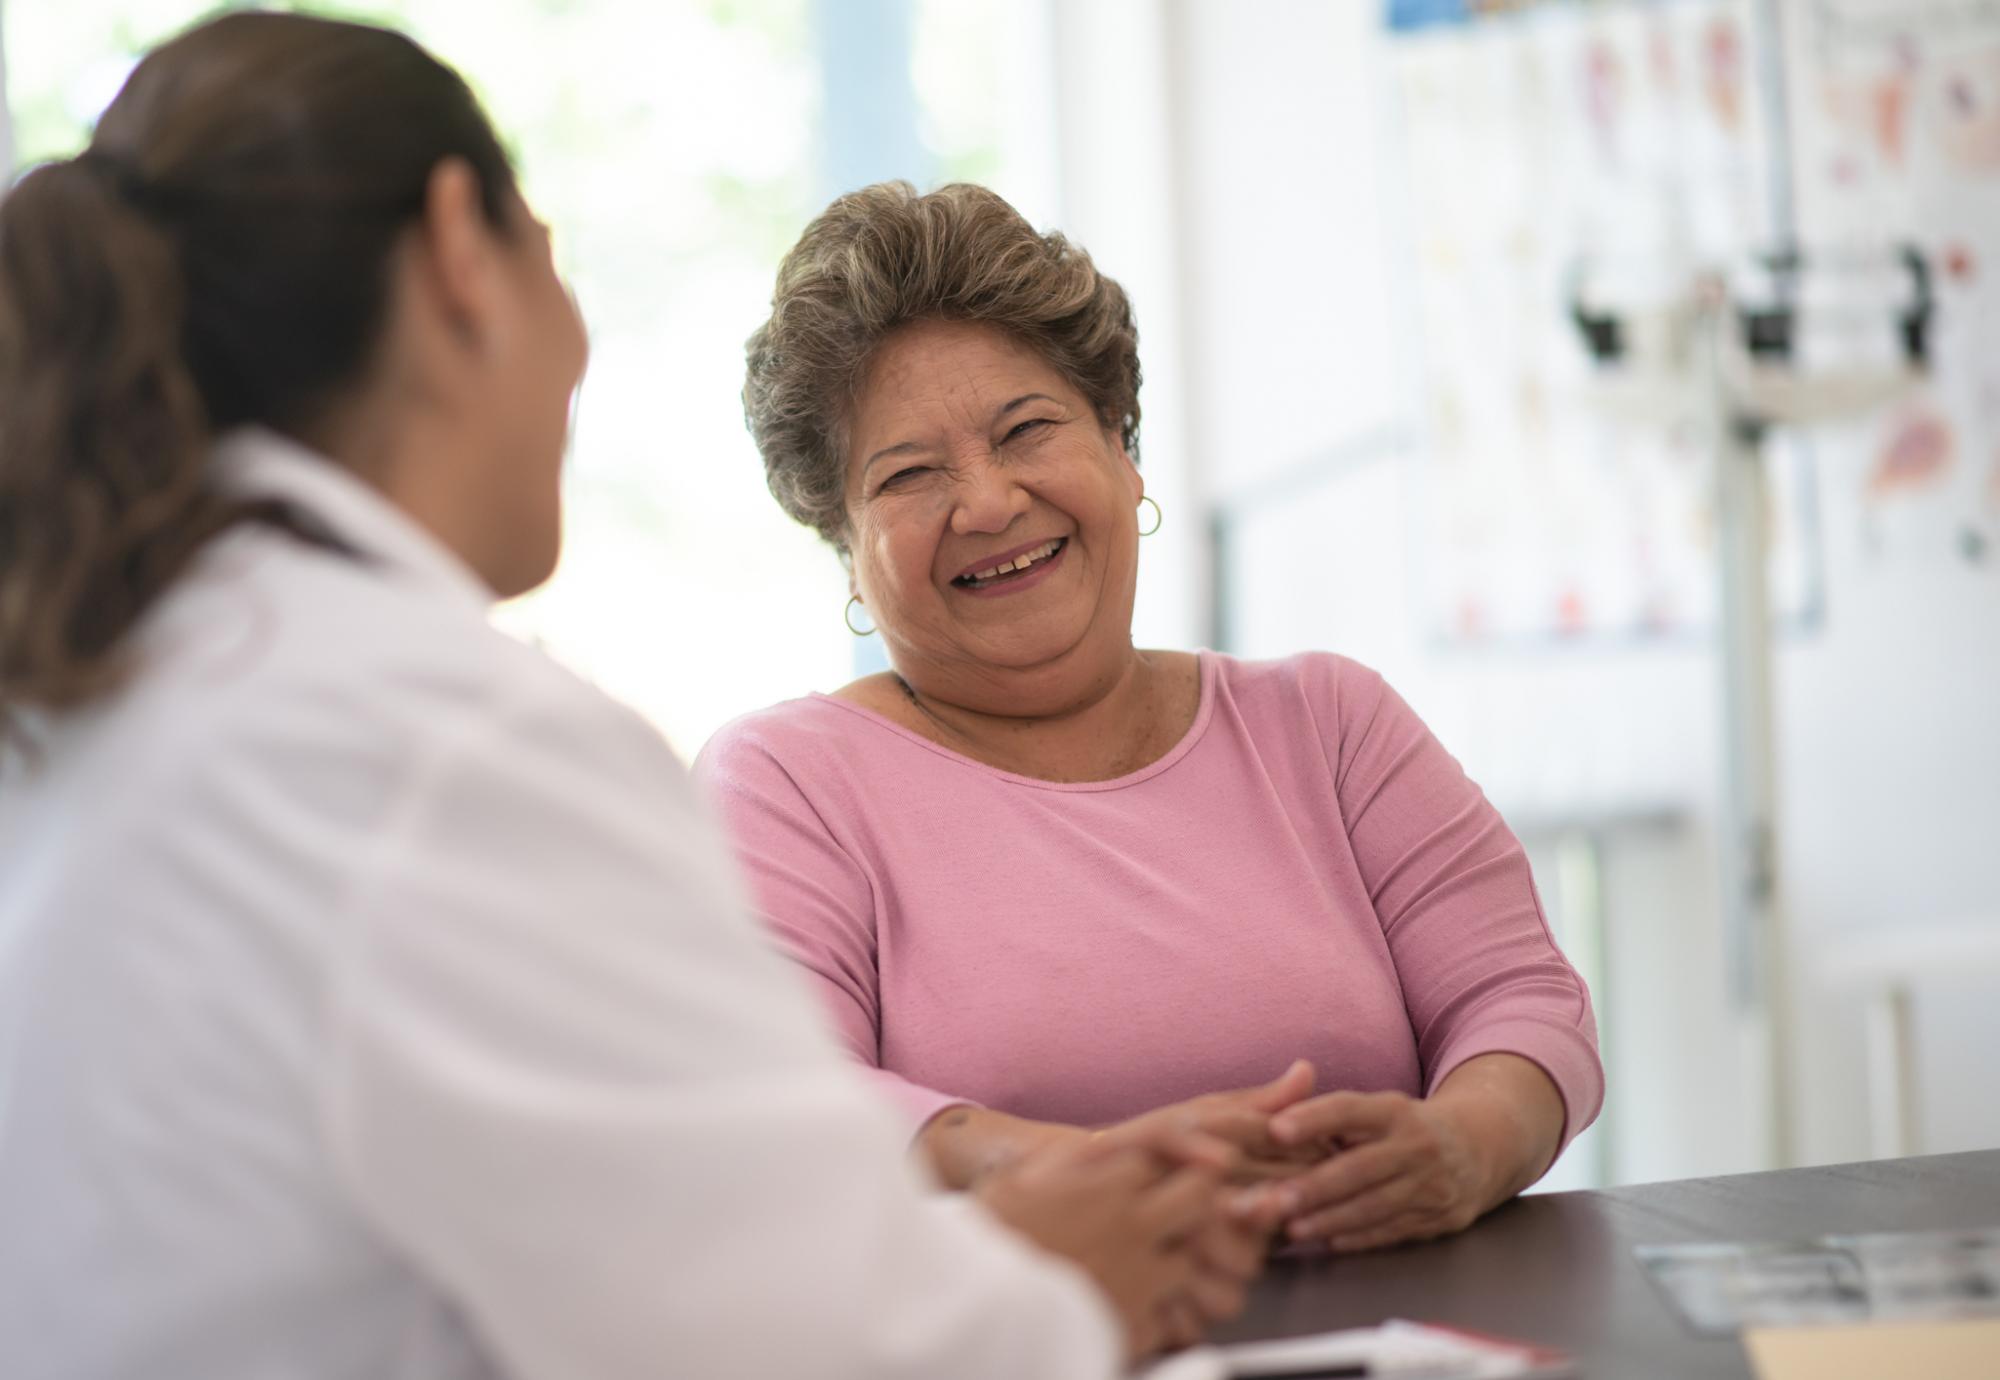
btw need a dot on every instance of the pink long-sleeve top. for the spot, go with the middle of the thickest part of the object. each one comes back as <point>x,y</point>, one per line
<point>1306,873</point>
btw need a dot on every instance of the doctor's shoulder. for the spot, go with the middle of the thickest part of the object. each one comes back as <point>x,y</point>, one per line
<point>329,665</point>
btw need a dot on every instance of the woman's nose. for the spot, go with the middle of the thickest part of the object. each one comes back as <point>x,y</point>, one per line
<point>988,500</point>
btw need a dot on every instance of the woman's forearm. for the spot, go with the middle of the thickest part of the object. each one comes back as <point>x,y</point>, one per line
<point>964,1144</point>
<point>1512,1112</point>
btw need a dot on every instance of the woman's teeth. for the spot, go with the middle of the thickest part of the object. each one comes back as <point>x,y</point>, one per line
<point>1019,563</point>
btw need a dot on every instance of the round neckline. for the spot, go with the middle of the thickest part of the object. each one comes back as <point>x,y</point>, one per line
<point>1205,664</point>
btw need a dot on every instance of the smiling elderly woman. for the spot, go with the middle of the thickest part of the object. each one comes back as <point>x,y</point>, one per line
<point>1048,883</point>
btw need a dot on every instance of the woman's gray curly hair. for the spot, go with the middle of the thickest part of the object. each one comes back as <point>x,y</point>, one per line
<point>885,256</point>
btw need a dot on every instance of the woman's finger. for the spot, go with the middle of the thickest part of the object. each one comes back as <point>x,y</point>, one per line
<point>1246,1129</point>
<point>1348,1174</point>
<point>1174,1141</point>
<point>1201,1149</point>
<point>1262,1208</point>
<point>1339,1116</point>
<point>1263,1158</point>
<point>1361,1213</point>
<point>1254,1170</point>
<point>1295,1084</point>
<point>1410,1226</point>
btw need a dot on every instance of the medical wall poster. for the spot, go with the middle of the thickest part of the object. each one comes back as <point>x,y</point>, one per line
<point>1896,119</point>
<point>1544,147</point>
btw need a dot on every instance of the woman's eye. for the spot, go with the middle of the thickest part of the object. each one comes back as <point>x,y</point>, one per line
<point>900,475</point>
<point>1024,428</point>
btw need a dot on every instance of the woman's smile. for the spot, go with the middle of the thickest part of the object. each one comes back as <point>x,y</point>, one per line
<point>1016,570</point>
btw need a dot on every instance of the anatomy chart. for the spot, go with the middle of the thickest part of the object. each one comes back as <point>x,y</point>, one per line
<point>1896,113</point>
<point>1549,146</point>
<point>1619,150</point>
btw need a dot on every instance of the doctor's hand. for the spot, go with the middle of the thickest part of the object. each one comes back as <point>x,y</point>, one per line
<point>1171,1249</point>
<point>1229,1131</point>
<point>1239,1118</point>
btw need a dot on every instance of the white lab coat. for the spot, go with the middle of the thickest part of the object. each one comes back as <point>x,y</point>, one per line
<point>376,1003</point>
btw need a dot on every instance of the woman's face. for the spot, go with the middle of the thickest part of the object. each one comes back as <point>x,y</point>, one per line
<point>992,519</point>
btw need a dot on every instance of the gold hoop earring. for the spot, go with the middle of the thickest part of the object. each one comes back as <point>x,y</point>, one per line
<point>1158,517</point>
<point>847,617</point>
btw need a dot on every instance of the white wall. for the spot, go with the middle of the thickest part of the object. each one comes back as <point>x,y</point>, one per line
<point>1287,294</point>
<point>1117,126</point>
<point>1891,745</point>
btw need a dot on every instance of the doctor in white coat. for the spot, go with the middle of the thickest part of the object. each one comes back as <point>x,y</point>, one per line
<point>375,1001</point>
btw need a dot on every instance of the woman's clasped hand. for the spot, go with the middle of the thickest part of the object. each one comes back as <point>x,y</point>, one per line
<point>1360,1170</point>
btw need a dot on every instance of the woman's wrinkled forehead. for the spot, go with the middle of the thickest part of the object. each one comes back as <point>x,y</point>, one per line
<point>948,372</point>
<point>946,361</point>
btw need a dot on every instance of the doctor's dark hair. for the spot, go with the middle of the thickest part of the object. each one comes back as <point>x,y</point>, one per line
<point>219,255</point>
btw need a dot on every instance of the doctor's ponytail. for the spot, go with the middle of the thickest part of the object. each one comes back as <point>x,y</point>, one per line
<point>219,256</point>
<point>103,436</point>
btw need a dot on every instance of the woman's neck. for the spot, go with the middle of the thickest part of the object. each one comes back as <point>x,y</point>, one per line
<point>1122,722</point>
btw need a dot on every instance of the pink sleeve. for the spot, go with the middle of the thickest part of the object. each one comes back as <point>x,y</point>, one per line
<point>814,897</point>
<point>1480,971</point>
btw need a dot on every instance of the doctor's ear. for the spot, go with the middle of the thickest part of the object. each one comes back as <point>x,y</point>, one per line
<point>462,249</point>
